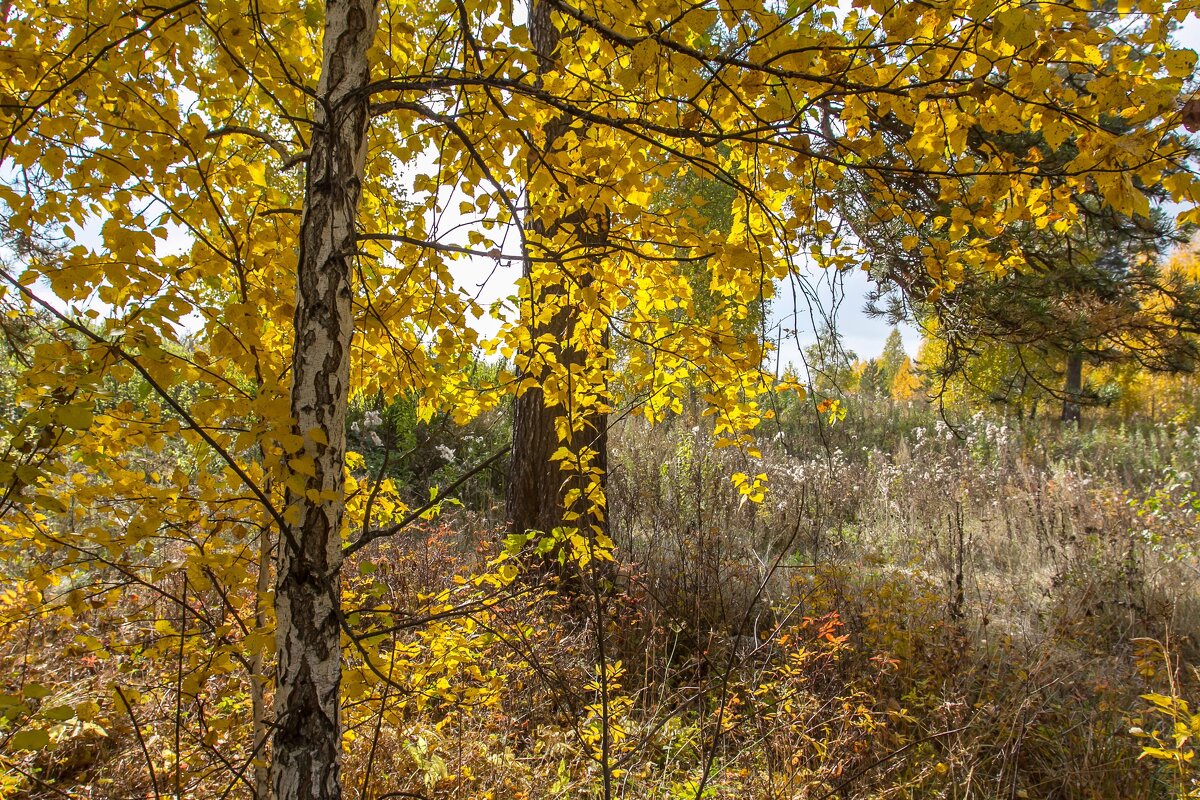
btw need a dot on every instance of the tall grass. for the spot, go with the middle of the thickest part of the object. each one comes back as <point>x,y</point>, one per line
<point>919,609</point>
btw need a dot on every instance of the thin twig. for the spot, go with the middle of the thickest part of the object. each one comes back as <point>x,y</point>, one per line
<point>137,731</point>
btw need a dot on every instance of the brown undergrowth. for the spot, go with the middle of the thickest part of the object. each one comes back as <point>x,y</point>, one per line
<point>955,617</point>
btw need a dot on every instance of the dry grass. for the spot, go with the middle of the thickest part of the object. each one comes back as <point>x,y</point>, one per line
<point>910,614</point>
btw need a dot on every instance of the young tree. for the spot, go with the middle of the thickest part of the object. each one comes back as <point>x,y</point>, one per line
<point>830,364</point>
<point>307,739</point>
<point>891,360</point>
<point>154,151</point>
<point>870,378</point>
<point>905,382</point>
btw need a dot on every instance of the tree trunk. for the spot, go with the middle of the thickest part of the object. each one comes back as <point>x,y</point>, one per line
<point>1073,388</point>
<point>306,744</point>
<point>534,489</point>
<point>537,483</point>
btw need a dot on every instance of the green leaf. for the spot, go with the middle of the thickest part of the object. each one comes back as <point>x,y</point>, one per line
<point>75,417</point>
<point>58,713</point>
<point>35,691</point>
<point>32,739</point>
<point>48,503</point>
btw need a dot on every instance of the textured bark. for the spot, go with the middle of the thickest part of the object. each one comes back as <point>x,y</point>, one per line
<point>534,491</point>
<point>306,744</point>
<point>1073,388</point>
<point>536,483</point>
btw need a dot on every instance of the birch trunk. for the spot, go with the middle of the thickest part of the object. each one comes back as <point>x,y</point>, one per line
<point>306,744</point>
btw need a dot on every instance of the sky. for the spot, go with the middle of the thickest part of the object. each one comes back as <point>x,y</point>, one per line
<point>841,298</point>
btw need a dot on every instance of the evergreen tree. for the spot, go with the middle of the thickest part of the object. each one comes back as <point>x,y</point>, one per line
<point>892,359</point>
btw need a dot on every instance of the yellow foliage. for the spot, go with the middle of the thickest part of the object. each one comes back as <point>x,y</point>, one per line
<point>153,162</point>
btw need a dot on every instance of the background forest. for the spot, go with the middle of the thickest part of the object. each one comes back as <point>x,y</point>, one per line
<point>394,400</point>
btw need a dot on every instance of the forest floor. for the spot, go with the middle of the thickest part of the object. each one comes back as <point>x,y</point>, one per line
<point>914,611</point>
